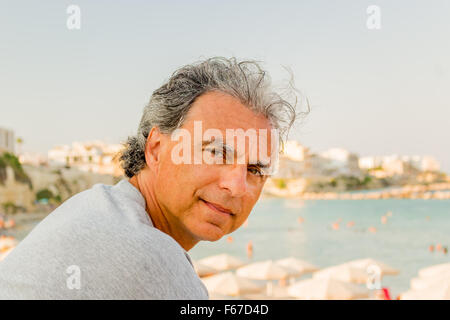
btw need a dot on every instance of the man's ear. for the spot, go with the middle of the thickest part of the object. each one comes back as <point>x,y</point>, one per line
<point>153,148</point>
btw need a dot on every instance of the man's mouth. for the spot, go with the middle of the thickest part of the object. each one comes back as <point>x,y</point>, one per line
<point>217,207</point>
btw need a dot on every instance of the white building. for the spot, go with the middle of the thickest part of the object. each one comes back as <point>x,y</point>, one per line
<point>396,164</point>
<point>33,158</point>
<point>423,163</point>
<point>294,151</point>
<point>340,161</point>
<point>367,163</point>
<point>6,140</point>
<point>94,156</point>
<point>337,155</point>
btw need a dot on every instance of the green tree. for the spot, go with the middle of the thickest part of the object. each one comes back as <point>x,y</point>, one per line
<point>10,160</point>
<point>280,183</point>
<point>44,194</point>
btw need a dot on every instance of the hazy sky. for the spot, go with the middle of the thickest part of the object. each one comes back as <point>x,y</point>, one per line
<point>371,91</point>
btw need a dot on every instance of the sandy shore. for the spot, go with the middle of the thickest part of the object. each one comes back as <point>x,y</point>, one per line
<point>440,191</point>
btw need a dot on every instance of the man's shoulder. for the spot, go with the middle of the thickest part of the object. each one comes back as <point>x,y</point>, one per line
<point>150,241</point>
<point>96,220</point>
<point>85,201</point>
<point>92,197</point>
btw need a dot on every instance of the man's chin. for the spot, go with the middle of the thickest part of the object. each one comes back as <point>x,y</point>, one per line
<point>209,232</point>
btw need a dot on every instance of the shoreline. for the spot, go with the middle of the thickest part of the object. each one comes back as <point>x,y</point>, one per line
<point>438,191</point>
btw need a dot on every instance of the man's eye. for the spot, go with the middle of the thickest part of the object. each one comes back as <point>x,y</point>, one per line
<point>215,151</point>
<point>255,171</point>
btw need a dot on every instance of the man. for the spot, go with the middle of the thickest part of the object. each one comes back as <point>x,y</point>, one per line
<point>130,241</point>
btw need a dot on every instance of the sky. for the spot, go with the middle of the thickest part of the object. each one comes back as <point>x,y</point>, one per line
<point>373,92</point>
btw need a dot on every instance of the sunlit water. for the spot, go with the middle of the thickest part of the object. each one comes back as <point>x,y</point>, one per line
<point>275,232</point>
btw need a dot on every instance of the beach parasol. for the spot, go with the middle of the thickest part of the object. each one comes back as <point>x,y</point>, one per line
<point>364,264</point>
<point>204,270</point>
<point>222,262</point>
<point>343,272</point>
<point>422,283</point>
<point>229,284</point>
<point>278,293</point>
<point>439,291</point>
<point>298,265</point>
<point>327,289</point>
<point>434,270</point>
<point>265,270</point>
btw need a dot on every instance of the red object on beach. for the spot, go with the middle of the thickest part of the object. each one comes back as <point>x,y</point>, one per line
<point>386,293</point>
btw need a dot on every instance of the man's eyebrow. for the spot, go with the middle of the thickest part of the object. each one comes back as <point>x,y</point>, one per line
<point>219,143</point>
<point>261,165</point>
<point>230,149</point>
<point>206,142</point>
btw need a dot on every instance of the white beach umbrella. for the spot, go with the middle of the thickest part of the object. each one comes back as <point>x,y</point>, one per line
<point>265,270</point>
<point>300,266</point>
<point>222,262</point>
<point>327,289</point>
<point>434,270</point>
<point>278,293</point>
<point>439,291</point>
<point>364,264</point>
<point>229,284</point>
<point>343,272</point>
<point>422,283</point>
<point>204,270</point>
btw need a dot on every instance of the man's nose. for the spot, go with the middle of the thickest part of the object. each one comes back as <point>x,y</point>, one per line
<point>235,180</point>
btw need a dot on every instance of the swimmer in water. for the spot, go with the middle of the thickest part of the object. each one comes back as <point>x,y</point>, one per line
<point>250,249</point>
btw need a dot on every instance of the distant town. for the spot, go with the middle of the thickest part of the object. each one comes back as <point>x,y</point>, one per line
<point>337,173</point>
<point>32,182</point>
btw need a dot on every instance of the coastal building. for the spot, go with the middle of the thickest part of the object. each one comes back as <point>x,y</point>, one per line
<point>338,161</point>
<point>288,168</point>
<point>33,158</point>
<point>423,163</point>
<point>93,156</point>
<point>6,140</point>
<point>367,163</point>
<point>394,165</point>
<point>384,166</point>
<point>293,150</point>
<point>292,161</point>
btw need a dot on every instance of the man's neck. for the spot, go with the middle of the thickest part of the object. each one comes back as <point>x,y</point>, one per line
<point>161,220</point>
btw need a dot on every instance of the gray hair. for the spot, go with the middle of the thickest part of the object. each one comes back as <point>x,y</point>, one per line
<point>169,105</point>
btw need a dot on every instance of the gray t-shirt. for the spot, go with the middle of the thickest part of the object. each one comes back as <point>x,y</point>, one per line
<point>99,244</point>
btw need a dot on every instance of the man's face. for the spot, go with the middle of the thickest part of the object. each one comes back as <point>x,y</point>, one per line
<point>210,200</point>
